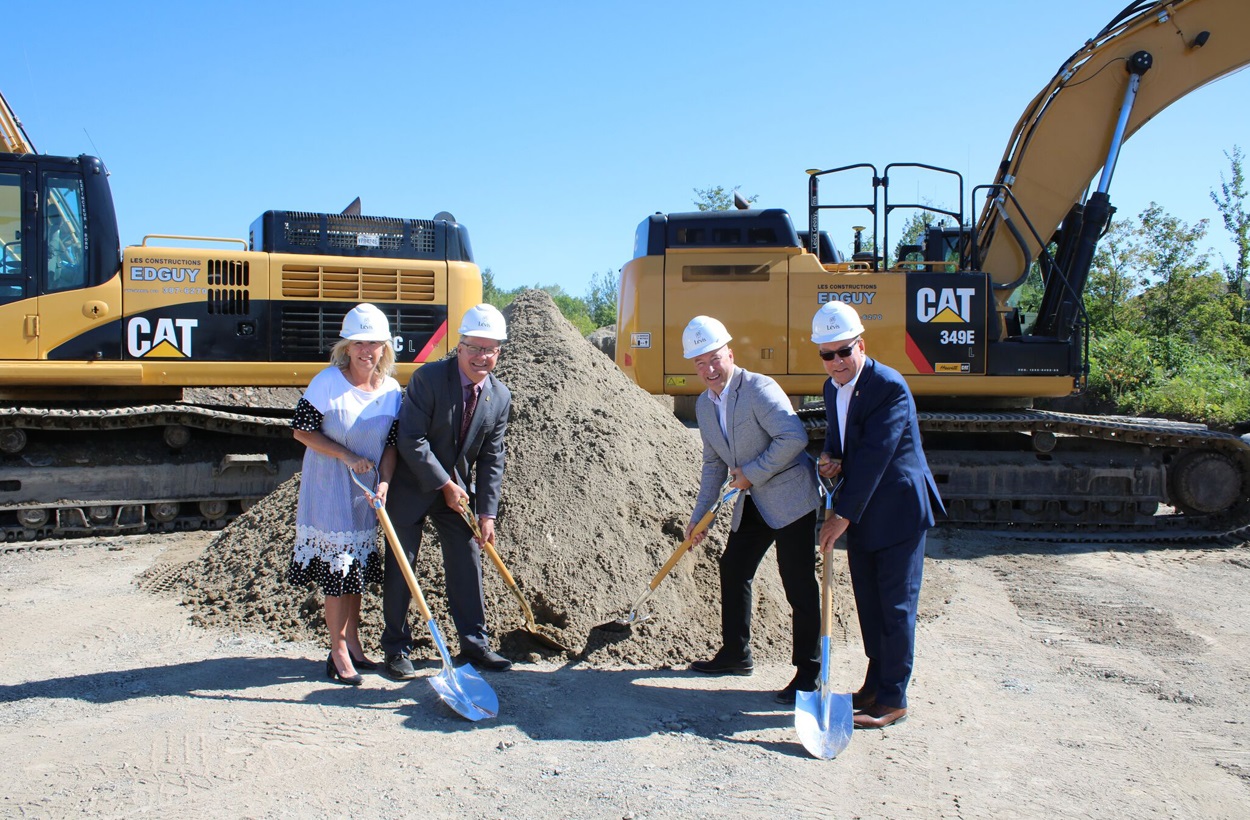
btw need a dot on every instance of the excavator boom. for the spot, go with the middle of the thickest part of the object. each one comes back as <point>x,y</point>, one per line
<point>1067,131</point>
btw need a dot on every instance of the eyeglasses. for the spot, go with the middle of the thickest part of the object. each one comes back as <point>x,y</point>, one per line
<point>841,352</point>
<point>474,350</point>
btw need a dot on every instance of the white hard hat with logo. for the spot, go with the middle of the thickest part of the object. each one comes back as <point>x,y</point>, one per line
<point>484,321</point>
<point>703,335</point>
<point>836,322</point>
<point>365,323</point>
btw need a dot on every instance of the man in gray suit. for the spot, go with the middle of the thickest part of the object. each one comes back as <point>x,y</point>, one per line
<point>752,436</point>
<point>451,431</point>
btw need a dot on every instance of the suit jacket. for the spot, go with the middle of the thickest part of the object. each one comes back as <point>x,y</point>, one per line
<point>429,422</point>
<point>888,492</point>
<point>767,440</point>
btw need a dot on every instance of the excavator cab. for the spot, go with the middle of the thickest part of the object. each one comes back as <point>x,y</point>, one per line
<point>58,245</point>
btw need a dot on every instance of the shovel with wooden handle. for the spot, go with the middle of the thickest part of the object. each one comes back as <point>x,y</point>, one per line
<point>531,627</point>
<point>463,688</point>
<point>823,719</point>
<point>637,614</point>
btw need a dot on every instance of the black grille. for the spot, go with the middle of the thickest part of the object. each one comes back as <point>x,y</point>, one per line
<point>307,332</point>
<point>339,235</point>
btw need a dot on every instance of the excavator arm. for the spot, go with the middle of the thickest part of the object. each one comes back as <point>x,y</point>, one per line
<point>1075,125</point>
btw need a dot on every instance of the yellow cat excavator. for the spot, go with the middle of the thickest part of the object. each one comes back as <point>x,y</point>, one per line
<point>97,343</point>
<point>944,315</point>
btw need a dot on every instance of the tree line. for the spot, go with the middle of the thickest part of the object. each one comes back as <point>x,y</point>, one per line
<point>1169,327</point>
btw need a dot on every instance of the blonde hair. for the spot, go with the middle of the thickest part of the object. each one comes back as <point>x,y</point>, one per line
<point>340,357</point>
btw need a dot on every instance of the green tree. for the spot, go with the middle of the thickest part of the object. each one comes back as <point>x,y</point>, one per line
<point>1171,263</point>
<point>601,299</point>
<point>1232,207</point>
<point>717,198</point>
<point>1111,278</point>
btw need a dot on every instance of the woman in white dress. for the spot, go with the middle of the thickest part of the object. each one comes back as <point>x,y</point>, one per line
<point>346,419</point>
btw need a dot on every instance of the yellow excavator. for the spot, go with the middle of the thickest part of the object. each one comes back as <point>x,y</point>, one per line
<point>98,342</point>
<point>944,315</point>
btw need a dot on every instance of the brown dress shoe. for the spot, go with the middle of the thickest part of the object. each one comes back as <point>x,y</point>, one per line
<point>879,716</point>
<point>862,700</point>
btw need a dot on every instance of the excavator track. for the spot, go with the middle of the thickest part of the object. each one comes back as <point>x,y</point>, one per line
<point>75,472</point>
<point>1045,475</point>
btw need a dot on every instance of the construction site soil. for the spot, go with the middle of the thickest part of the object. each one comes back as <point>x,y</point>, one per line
<point>178,674</point>
<point>599,483</point>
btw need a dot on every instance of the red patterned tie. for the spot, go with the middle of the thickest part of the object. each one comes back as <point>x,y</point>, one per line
<point>470,405</point>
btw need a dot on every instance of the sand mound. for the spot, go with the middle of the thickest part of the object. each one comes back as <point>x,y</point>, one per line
<point>600,480</point>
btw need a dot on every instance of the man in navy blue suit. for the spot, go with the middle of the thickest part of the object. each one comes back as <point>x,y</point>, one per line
<point>885,506</point>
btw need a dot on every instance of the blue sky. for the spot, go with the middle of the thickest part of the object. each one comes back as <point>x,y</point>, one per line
<point>552,129</point>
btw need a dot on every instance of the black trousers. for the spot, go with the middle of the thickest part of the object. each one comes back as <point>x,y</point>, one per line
<point>462,564</point>
<point>796,563</point>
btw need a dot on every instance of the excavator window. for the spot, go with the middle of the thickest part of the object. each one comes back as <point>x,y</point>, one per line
<point>62,217</point>
<point>12,273</point>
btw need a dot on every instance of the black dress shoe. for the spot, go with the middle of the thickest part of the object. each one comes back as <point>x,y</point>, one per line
<point>491,661</point>
<point>333,673</point>
<point>718,665</point>
<point>801,683</point>
<point>399,667</point>
<point>363,663</point>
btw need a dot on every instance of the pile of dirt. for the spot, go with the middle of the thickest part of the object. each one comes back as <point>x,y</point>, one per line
<point>600,480</point>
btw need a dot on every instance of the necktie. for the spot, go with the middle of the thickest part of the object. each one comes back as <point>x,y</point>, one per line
<point>470,404</point>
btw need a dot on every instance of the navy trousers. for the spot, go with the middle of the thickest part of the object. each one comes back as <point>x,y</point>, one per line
<point>886,583</point>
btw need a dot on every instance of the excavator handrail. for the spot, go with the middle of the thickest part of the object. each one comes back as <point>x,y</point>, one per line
<point>228,239</point>
<point>14,136</point>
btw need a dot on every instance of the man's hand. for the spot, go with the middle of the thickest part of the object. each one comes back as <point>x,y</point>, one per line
<point>698,538</point>
<point>738,480</point>
<point>828,466</point>
<point>452,493</point>
<point>831,531</point>
<point>487,526</point>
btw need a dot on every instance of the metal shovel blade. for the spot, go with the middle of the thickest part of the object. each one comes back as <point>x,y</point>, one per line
<point>462,688</point>
<point>824,722</point>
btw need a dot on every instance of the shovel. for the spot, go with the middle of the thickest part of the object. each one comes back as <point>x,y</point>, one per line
<point>462,689</point>
<point>531,628</point>
<point>822,718</point>
<point>637,614</point>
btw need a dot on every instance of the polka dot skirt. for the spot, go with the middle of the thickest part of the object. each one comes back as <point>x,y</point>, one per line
<point>333,584</point>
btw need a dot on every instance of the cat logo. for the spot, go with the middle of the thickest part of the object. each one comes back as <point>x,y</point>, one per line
<point>170,340</point>
<point>945,305</point>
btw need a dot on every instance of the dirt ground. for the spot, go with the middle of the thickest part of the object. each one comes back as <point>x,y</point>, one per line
<point>1051,681</point>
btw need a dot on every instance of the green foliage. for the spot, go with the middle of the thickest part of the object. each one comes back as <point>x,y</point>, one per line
<point>1165,339</point>
<point>1232,207</point>
<point>1122,368</point>
<point>1209,390</point>
<point>717,198</point>
<point>601,299</point>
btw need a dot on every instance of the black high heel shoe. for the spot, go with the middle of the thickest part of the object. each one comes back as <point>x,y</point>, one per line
<point>363,663</point>
<point>332,672</point>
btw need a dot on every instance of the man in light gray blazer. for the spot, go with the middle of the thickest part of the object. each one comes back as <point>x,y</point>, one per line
<point>451,447</point>
<point>752,436</point>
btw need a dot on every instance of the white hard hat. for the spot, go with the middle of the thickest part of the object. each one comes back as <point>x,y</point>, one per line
<point>836,322</point>
<point>703,335</point>
<point>485,321</point>
<point>365,323</point>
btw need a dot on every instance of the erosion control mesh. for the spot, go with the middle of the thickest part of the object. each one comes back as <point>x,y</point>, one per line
<point>600,480</point>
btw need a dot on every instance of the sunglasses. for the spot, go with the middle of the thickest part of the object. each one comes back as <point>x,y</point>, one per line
<point>841,352</point>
